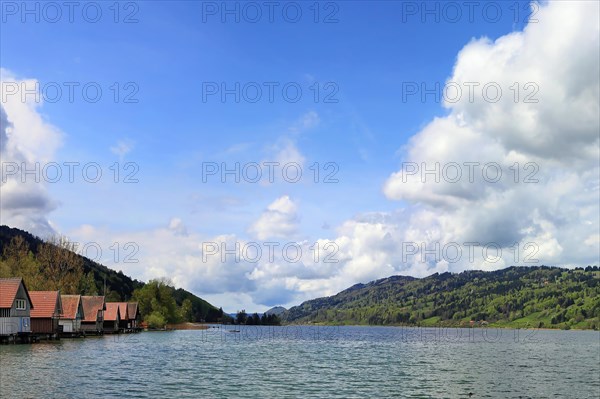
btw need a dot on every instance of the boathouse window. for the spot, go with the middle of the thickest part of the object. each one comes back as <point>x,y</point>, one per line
<point>21,305</point>
<point>4,312</point>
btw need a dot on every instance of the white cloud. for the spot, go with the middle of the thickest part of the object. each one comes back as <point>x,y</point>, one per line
<point>279,220</point>
<point>122,148</point>
<point>592,240</point>
<point>29,132</point>
<point>306,122</point>
<point>285,150</point>
<point>178,227</point>
<point>310,120</point>
<point>287,153</point>
<point>27,141</point>
<point>559,134</point>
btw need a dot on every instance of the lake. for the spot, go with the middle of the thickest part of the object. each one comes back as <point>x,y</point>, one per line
<point>309,362</point>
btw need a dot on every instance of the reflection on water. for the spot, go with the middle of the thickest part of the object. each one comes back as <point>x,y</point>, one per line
<point>309,362</point>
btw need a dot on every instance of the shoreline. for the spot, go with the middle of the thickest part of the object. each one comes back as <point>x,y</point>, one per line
<point>440,326</point>
<point>206,326</point>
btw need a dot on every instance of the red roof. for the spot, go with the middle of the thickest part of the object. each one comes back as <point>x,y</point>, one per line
<point>132,310</point>
<point>123,310</point>
<point>112,311</point>
<point>46,304</point>
<point>8,291</point>
<point>91,306</point>
<point>70,304</point>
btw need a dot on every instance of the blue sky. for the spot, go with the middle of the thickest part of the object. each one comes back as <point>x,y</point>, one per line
<point>367,56</point>
<point>170,52</point>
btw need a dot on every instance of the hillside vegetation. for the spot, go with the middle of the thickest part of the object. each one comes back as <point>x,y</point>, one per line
<point>53,264</point>
<point>539,297</point>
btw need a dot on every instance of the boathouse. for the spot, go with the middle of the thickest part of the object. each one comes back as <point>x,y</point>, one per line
<point>133,312</point>
<point>124,316</point>
<point>70,320</point>
<point>112,318</point>
<point>46,311</point>
<point>15,308</point>
<point>93,314</point>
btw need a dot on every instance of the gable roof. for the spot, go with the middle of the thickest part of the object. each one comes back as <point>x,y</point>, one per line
<point>70,304</point>
<point>91,306</point>
<point>132,310</point>
<point>46,304</point>
<point>123,310</point>
<point>112,311</point>
<point>8,291</point>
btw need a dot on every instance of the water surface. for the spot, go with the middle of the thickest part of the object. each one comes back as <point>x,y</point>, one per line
<point>309,362</point>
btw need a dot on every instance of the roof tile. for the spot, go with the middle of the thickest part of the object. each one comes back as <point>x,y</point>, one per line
<point>123,310</point>
<point>46,304</point>
<point>70,304</point>
<point>112,311</point>
<point>91,306</point>
<point>8,291</point>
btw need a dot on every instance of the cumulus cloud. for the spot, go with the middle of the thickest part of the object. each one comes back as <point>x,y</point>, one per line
<point>5,126</point>
<point>227,269</point>
<point>29,132</point>
<point>27,141</point>
<point>541,135</point>
<point>178,227</point>
<point>279,220</point>
<point>217,268</point>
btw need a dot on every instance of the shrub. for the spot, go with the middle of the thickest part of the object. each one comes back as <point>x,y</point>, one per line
<point>155,320</point>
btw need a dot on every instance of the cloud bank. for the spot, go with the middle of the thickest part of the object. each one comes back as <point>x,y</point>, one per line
<point>27,141</point>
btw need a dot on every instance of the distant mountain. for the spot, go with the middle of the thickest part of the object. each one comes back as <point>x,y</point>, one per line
<point>277,311</point>
<point>539,296</point>
<point>118,284</point>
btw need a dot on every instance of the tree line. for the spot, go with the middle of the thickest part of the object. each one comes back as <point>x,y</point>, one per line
<point>539,297</point>
<point>158,307</point>
<point>254,319</point>
<point>53,265</point>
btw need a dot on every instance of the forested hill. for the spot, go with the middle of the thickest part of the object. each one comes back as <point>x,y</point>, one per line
<point>542,296</point>
<point>119,287</point>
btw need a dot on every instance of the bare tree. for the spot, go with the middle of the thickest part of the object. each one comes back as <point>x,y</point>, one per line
<point>60,265</point>
<point>18,261</point>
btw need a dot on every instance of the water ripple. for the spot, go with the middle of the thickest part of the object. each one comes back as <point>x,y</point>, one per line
<point>308,362</point>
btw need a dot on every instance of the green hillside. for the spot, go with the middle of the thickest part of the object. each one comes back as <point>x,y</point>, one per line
<point>119,287</point>
<point>548,297</point>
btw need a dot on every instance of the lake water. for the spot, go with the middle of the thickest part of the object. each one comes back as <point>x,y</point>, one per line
<point>309,362</point>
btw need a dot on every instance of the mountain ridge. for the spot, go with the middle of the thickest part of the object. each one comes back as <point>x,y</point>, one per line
<point>518,296</point>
